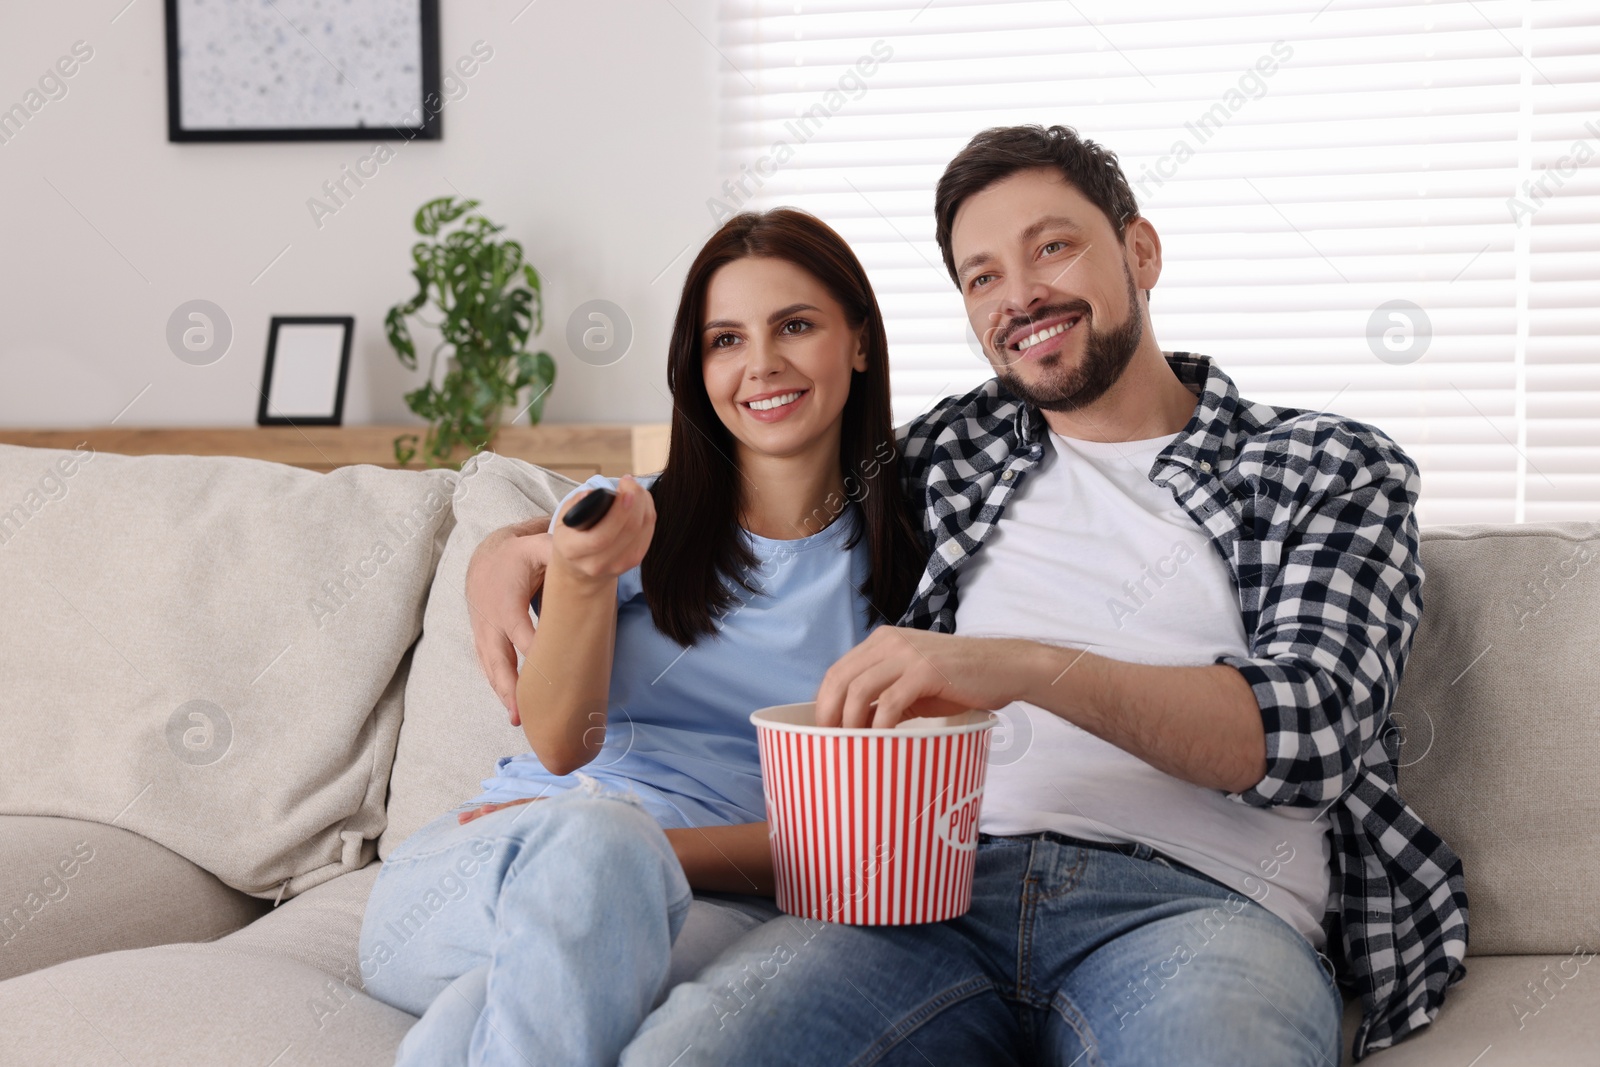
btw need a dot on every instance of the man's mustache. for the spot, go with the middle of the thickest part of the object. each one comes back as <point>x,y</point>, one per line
<point>1003,335</point>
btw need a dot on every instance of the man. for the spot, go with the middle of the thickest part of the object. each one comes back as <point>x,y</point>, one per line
<point>1188,812</point>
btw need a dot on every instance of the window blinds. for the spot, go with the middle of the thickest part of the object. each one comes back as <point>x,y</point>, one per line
<point>1383,209</point>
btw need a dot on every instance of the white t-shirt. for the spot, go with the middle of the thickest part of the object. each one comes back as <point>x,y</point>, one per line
<point>1090,553</point>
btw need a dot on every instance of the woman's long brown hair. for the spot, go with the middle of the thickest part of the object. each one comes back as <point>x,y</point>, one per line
<point>697,554</point>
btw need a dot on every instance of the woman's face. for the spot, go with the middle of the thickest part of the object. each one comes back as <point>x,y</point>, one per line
<point>777,354</point>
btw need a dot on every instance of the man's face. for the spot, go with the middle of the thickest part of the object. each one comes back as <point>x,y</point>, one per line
<point>1047,289</point>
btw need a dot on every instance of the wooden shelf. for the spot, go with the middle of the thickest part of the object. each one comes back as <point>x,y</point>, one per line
<point>577,450</point>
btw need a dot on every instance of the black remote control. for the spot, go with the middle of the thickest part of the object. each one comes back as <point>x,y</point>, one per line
<point>590,510</point>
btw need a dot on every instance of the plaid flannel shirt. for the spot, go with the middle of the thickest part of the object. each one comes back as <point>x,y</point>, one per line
<point>1313,514</point>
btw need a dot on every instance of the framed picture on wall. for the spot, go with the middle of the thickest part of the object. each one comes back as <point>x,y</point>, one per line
<point>302,70</point>
<point>308,363</point>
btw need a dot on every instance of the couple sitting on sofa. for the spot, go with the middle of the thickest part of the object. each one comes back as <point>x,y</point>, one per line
<point>1191,610</point>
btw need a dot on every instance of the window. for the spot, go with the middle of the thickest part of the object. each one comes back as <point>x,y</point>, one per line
<point>1383,209</point>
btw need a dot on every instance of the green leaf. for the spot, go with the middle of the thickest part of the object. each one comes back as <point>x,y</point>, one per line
<point>510,258</point>
<point>517,314</point>
<point>537,306</point>
<point>414,305</point>
<point>543,378</point>
<point>433,215</point>
<point>394,324</point>
<point>527,371</point>
<point>423,402</point>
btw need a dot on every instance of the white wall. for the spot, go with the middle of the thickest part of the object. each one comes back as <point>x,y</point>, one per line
<point>590,133</point>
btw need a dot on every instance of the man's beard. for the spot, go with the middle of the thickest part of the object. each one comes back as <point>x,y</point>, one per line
<point>1105,356</point>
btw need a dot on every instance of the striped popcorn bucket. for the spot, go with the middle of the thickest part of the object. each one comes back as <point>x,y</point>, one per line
<point>873,827</point>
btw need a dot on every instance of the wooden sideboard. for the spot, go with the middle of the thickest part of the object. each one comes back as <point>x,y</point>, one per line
<point>577,450</point>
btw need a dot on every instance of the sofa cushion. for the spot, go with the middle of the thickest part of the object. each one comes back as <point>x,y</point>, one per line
<point>214,650</point>
<point>1556,1021</point>
<point>194,1004</point>
<point>286,991</point>
<point>1500,721</point>
<point>455,726</point>
<point>72,888</point>
<point>320,928</point>
<point>288,984</point>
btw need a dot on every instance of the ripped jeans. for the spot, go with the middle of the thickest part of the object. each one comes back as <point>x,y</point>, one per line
<point>540,933</point>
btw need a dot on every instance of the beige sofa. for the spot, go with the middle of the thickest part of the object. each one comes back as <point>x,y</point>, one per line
<point>232,686</point>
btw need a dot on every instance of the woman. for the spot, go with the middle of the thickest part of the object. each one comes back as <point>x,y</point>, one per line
<point>773,541</point>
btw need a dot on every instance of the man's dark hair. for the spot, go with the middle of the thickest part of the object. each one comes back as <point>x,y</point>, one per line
<point>1002,151</point>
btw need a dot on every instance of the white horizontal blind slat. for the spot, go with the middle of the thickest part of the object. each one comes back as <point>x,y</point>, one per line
<point>1373,162</point>
<point>1562,362</point>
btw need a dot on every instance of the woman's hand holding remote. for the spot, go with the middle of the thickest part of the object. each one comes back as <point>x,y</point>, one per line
<point>612,546</point>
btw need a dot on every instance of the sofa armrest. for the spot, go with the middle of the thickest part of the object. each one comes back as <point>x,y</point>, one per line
<point>70,888</point>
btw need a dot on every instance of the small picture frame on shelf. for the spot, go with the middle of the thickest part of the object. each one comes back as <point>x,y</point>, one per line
<point>308,363</point>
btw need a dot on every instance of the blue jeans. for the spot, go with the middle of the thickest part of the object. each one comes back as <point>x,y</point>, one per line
<point>1072,954</point>
<point>540,933</point>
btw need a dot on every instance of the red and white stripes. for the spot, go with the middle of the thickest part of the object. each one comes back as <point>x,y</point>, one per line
<point>874,827</point>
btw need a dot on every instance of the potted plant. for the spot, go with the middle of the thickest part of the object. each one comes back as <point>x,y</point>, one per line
<point>475,285</point>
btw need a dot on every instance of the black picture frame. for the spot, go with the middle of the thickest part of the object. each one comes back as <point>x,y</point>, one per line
<point>431,128</point>
<point>336,416</point>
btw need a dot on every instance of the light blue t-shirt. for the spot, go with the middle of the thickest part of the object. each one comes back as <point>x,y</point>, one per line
<point>678,731</point>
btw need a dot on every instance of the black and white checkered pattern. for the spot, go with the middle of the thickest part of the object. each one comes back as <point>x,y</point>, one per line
<point>1313,513</point>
